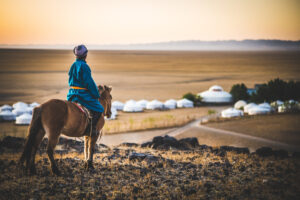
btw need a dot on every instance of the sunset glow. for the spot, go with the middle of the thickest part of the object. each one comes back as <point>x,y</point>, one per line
<point>142,21</point>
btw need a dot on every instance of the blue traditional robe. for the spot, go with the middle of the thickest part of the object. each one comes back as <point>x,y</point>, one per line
<point>80,76</point>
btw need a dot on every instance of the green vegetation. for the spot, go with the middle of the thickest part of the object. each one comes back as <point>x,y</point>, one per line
<point>211,112</point>
<point>194,98</point>
<point>276,89</point>
<point>239,92</point>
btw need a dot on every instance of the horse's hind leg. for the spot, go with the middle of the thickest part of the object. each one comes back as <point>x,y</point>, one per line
<point>36,144</point>
<point>52,141</point>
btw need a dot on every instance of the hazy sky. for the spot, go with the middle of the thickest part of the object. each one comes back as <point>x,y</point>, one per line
<point>142,21</point>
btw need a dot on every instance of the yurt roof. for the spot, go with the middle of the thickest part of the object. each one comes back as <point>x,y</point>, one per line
<point>5,107</point>
<point>7,113</point>
<point>170,101</point>
<point>239,104</point>
<point>185,101</point>
<point>213,94</point>
<point>155,102</point>
<point>20,105</point>
<point>215,88</point>
<point>130,101</point>
<point>132,106</point>
<point>34,104</point>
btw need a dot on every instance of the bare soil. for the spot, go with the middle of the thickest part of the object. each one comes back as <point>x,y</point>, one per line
<point>278,127</point>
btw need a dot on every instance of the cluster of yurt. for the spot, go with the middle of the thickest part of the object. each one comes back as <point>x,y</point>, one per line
<point>216,95</point>
<point>140,106</point>
<point>19,112</point>
<point>288,106</point>
<point>241,107</point>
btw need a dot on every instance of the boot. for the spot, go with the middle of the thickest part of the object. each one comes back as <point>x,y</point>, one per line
<point>95,117</point>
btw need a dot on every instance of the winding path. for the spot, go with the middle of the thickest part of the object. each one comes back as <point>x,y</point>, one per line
<point>206,135</point>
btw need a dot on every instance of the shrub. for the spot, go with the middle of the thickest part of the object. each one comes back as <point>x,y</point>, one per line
<point>239,92</point>
<point>193,97</point>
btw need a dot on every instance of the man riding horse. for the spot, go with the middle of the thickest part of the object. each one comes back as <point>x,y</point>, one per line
<point>82,86</point>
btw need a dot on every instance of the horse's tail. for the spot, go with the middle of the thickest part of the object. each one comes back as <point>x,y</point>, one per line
<point>35,126</point>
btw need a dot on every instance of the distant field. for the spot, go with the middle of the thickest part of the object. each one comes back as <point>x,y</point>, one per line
<point>279,127</point>
<point>38,75</point>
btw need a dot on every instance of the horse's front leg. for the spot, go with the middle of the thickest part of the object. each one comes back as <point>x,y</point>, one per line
<point>86,147</point>
<point>91,149</point>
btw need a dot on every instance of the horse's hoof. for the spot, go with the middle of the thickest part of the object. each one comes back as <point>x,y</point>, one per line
<point>32,171</point>
<point>56,171</point>
<point>89,166</point>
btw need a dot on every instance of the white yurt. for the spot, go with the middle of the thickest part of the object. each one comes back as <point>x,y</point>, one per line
<point>155,104</point>
<point>24,119</point>
<point>20,104</point>
<point>34,104</point>
<point>170,104</point>
<point>231,112</point>
<point>215,94</point>
<point>20,111</point>
<point>143,103</point>
<point>240,104</point>
<point>7,115</point>
<point>265,105</point>
<point>282,108</point>
<point>29,110</point>
<point>248,106</point>
<point>6,108</point>
<point>114,114</point>
<point>185,103</point>
<point>118,105</point>
<point>131,106</point>
<point>276,103</point>
<point>258,110</point>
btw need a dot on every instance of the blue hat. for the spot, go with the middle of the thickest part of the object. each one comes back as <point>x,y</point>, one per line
<point>80,51</point>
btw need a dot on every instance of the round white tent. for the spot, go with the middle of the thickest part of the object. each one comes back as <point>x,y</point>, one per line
<point>118,105</point>
<point>7,115</point>
<point>170,104</point>
<point>185,103</point>
<point>258,110</point>
<point>6,108</point>
<point>265,105</point>
<point>131,106</point>
<point>34,104</point>
<point>248,106</point>
<point>143,103</point>
<point>276,103</point>
<point>240,104</point>
<point>155,104</point>
<point>215,94</point>
<point>232,112</point>
<point>20,104</point>
<point>24,119</point>
<point>20,111</point>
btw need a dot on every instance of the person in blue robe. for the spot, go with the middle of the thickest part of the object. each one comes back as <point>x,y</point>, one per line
<point>83,88</point>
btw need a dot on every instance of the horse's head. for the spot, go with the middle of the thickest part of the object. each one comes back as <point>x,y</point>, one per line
<point>105,99</point>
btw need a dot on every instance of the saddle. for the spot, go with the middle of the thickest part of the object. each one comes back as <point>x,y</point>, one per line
<point>84,110</point>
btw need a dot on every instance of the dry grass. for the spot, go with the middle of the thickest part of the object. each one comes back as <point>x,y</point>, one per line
<point>38,75</point>
<point>279,127</point>
<point>197,174</point>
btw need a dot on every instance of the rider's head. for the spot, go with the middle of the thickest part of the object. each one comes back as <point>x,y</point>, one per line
<point>80,52</point>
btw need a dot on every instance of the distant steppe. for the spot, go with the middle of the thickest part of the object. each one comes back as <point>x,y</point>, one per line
<point>38,75</point>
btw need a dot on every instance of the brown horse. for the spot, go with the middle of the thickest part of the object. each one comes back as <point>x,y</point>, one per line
<point>57,117</point>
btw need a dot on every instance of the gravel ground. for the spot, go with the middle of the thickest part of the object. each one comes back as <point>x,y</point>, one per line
<point>165,168</point>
